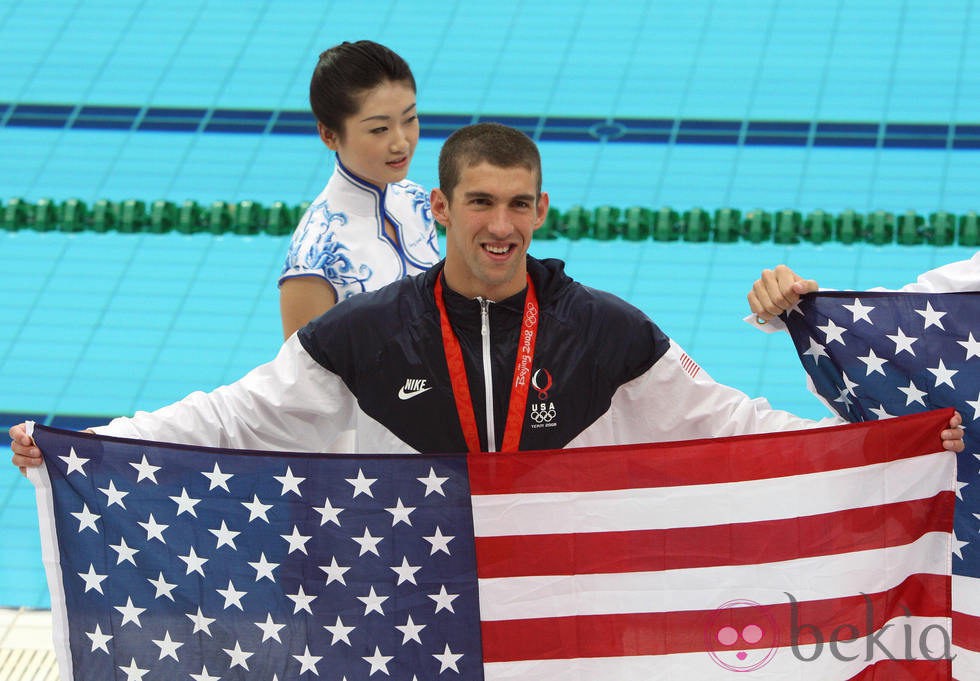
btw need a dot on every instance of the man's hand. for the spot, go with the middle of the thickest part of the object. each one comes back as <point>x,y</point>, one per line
<point>776,291</point>
<point>953,437</point>
<point>26,453</point>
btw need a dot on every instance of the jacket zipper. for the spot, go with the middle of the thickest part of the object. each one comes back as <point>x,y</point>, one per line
<point>487,378</point>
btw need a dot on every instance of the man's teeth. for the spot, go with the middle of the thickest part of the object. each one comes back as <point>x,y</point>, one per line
<point>497,250</point>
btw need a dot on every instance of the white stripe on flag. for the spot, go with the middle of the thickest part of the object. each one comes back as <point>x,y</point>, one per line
<point>818,578</point>
<point>700,505</point>
<point>966,595</point>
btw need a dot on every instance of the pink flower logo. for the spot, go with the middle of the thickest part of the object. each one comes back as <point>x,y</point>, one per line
<point>741,636</point>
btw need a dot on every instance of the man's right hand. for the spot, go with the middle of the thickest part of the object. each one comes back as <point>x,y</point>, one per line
<point>26,453</point>
<point>776,291</point>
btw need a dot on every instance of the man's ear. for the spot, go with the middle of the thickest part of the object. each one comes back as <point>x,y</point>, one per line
<point>542,210</point>
<point>439,203</point>
<point>328,136</point>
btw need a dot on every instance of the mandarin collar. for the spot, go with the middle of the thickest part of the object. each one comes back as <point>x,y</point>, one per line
<point>358,196</point>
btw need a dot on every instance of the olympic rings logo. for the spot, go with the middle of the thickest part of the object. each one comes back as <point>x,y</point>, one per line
<point>543,415</point>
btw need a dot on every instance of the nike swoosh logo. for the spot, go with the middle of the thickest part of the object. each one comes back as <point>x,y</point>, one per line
<point>407,395</point>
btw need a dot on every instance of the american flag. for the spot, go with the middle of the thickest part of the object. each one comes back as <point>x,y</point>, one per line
<point>874,355</point>
<point>818,554</point>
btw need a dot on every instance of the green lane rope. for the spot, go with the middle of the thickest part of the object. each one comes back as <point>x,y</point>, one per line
<point>604,223</point>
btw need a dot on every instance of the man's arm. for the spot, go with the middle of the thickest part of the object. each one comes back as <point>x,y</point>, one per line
<point>675,400</point>
<point>289,404</point>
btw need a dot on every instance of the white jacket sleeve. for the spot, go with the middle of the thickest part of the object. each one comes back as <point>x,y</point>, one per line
<point>670,402</point>
<point>289,404</point>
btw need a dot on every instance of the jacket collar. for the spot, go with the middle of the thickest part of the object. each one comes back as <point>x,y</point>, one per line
<point>356,195</point>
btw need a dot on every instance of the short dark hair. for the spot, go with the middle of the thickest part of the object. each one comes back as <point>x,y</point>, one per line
<point>345,71</point>
<point>492,143</point>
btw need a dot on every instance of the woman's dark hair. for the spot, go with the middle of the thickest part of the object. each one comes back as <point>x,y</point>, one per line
<point>345,71</point>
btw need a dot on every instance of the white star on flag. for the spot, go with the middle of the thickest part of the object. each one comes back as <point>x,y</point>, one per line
<point>225,536</point>
<point>130,613</point>
<point>113,495</point>
<point>433,483</point>
<point>184,503</point>
<point>362,485</point>
<point>301,600</point>
<point>932,317</point>
<point>92,580</point>
<point>399,513</point>
<point>447,660</point>
<point>913,394</point>
<point>168,647</point>
<point>833,332</point>
<point>270,629</point>
<point>971,346</point>
<point>154,530</point>
<point>328,513</point>
<point>410,631</point>
<point>378,661</point>
<point>816,351</point>
<point>162,586</point>
<point>146,470</point>
<point>289,482</point>
<point>443,599</point>
<point>372,602</point>
<point>860,311</point>
<point>201,623</point>
<point>406,572</point>
<point>439,542</point>
<point>232,596</point>
<point>75,462</point>
<point>263,568</point>
<point>133,673</point>
<point>339,631</point>
<point>99,640</point>
<point>902,342</point>
<point>335,573</point>
<point>256,508</point>
<point>204,675</point>
<point>125,553</point>
<point>308,662</point>
<point>217,478</point>
<point>874,363</point>
<point>239,658</point>
<point>86,519</point>
<point>368,543</point>
<point>943,375</point>
<point>297,541</point>
<point>195,563</point>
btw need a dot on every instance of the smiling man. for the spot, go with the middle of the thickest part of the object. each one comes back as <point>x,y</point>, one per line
<point>493,350</point>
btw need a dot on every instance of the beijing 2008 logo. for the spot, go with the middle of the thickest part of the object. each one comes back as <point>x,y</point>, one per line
<point>741,636</point>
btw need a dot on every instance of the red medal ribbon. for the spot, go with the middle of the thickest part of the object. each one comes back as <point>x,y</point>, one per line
<point>522,373</point>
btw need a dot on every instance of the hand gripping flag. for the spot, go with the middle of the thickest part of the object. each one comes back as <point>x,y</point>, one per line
<point>873,355</point>
<point>819,554</point>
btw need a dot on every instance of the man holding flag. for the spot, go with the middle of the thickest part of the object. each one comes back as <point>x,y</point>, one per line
<point>688,558</point>
<point>491,351</point>
<point>882,354</point>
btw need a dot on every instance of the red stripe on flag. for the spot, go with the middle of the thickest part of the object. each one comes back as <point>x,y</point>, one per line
<point>966,631</point>
<point>633,634</point>
<point>859,529</point>
<point>750,457</point>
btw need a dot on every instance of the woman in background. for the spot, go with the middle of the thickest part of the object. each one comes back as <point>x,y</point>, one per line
<point>370,225</point>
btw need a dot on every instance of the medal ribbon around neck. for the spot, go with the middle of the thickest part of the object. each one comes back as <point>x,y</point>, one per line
<point>519,386</point>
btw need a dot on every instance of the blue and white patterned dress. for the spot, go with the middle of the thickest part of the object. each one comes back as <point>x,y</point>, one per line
<point>341,237</point>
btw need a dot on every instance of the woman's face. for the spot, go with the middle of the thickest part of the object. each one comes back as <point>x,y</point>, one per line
<point>378,141</point>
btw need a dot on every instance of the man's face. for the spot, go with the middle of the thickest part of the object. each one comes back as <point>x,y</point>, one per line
<point>489,220</point>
